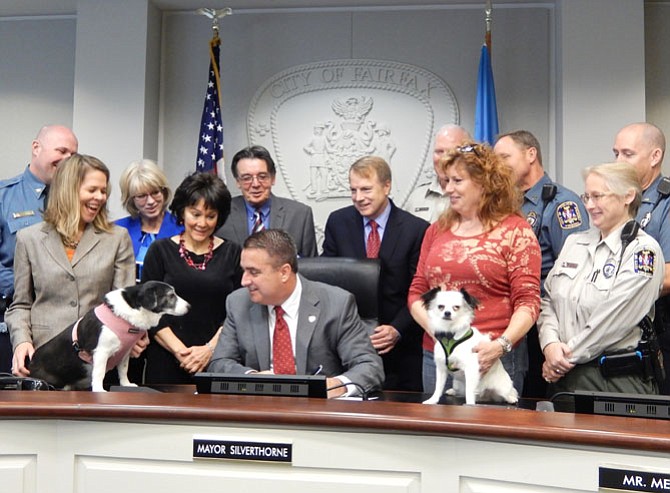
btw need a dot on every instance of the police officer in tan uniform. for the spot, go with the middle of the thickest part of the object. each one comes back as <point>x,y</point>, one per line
<point>429,199</point>
<point>603,284</point>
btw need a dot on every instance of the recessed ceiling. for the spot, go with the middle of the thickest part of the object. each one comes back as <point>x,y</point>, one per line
<point>12,8</point>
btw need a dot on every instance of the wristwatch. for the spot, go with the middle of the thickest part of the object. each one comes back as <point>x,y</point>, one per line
<point>505,343</point>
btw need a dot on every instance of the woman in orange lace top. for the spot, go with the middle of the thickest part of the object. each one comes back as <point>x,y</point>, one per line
<point>483,244</point>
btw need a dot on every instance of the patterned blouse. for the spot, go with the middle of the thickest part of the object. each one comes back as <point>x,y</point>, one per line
<point>501,268</point>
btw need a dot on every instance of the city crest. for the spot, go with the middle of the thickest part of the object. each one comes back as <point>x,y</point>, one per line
<point>317,119</point>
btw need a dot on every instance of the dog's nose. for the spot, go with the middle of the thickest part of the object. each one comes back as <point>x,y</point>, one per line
<point>447,315</point>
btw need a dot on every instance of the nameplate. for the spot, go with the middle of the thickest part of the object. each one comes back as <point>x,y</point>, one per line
<point>209,448</point>
<point>610,479</point>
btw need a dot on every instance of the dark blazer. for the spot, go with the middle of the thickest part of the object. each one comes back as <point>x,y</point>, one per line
<point>293,217</point>
<point>399,255</point>
<point>329,334</point>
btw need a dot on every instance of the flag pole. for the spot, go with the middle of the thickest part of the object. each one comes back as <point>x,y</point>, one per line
<point>486,108</point>
<point>489,21</point>
<point>210,141</point>
<point>214,15</point>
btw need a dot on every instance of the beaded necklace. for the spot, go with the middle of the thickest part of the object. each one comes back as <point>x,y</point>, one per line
<point>185,254</point>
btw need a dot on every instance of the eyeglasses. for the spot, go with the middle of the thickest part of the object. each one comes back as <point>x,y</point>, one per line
<point>468,148</point>
<point>247,180</point>
<point>143,197</point>
<point>594,197</point>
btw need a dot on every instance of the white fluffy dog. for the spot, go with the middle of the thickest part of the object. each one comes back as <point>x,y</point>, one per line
<point>450,315</point>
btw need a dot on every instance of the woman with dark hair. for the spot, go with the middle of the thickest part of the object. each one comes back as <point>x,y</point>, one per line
<point>204,269</point>
<point>481,243</point>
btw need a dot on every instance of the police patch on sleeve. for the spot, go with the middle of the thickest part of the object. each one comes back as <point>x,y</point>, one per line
<point>568,215</point>
<point>532,218</point>
<point>644,261</point>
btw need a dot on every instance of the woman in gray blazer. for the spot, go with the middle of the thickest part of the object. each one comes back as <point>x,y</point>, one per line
<point>64,266</point>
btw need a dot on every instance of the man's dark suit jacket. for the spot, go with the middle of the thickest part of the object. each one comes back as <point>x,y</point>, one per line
<point>293,217</point>
<point>399,255</point>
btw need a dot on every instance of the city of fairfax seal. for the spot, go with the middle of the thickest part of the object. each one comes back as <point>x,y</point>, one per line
<point>317,119</point>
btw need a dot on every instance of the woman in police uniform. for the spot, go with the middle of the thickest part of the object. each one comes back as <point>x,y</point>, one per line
<point>600,288</point>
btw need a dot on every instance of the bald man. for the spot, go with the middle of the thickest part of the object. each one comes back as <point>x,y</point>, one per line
<point>429,199</point>
<point>643,146</point>
<point>21,205</point>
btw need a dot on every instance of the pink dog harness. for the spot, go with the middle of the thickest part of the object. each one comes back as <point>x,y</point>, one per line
<point>127,334</point>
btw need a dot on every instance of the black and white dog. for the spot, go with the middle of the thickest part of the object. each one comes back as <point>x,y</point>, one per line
<point>450,315</point>
<point>102,339</point>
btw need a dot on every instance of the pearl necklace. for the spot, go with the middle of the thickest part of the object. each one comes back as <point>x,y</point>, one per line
<point>186,255</point>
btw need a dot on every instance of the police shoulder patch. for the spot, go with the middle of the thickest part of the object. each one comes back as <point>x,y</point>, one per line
<point>644,261</point>
<point>568,215</point>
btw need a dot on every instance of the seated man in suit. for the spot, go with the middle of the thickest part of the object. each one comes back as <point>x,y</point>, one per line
<point>258,208</point>
<point>280,322</point>
<point>374,227</point>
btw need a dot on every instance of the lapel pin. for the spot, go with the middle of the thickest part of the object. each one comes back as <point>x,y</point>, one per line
<point>311,319</point>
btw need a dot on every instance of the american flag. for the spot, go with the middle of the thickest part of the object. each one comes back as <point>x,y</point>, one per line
<point>210,142</point>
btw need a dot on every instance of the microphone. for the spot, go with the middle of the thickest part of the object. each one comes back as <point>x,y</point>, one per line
<point>545,406</point>
<point>628,234</point>
<point>361,390</point>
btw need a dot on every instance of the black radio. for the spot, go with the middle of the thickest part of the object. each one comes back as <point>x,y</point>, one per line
<point>10,382</point>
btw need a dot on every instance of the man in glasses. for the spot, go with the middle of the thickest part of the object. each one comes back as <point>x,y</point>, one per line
<point>21,205</point>
<point>643,146</point>
<point>553,211</point>
<point>258,209</point>
<point>429,199</point>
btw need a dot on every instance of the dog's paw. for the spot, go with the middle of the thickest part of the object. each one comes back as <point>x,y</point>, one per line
<point>512,397</point>
<point>450,392</point>
<point>128,384</point>
<point>98,389</point>
<point>432,400</point>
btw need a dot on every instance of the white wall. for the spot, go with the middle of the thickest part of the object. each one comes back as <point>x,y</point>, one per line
<point>601,79</point>
<point>657,41</point>
<point>36,83</point>
<point>571,72</point>
<point>445,41</point>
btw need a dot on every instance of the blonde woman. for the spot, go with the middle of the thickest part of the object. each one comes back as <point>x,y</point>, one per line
<point>64,266</point>
<point>603,284</point>
<point>145,194</point>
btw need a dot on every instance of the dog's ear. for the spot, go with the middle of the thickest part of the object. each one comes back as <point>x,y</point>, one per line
<point>150,296</point>
<point>429,296</point>
<point>132,296</point>
<point>141,296</point>
<point>469,299</point>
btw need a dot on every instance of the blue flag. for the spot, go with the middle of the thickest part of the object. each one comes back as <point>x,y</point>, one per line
<point>486,110</point>
<point>210,141</point>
